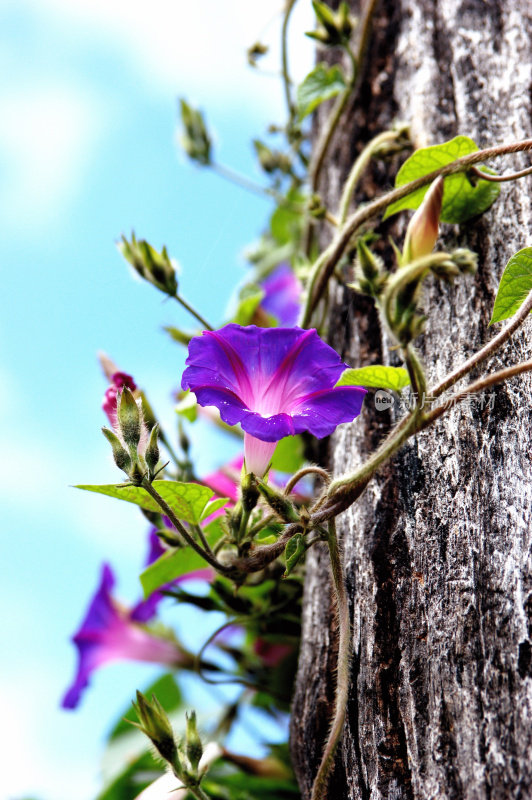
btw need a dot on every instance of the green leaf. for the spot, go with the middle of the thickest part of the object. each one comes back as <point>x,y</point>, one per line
<point>173,564</point>
<point>187,500</point>
<point>287,220</point>
<point>288,455</point>
<point>376,376</point>
<point>319,85</point>
<point>249,299</point>
<point>136,775</point>
<point>461,200</point>
<point>187,406</point>
<point>294,549</point>
<point>213,506</point>
<point>515,285</point>
<point>183,337</point>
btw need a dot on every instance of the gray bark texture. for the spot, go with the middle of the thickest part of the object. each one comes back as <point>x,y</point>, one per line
<point>437,551</point>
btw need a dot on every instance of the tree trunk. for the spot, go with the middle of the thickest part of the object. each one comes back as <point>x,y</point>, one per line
<point>437,550</point>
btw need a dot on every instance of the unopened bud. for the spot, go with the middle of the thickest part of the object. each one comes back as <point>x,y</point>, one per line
<point>195,138</point>
<point>152,450</point>
<point>333,28</point>
<point>250,492</point>
<point>129,418</point>
<point>423,228</point>
<point>157,268</point>
<point>271,160</point>
<point>120,454</point>
<point>255,52</point>
<point>278,502</point>
<point>193,745</point>
<point>156,725</point>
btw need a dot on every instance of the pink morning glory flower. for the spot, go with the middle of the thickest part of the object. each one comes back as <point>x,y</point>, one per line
<point>282,297</point>
<point>109,633</point>
<point>275,382</point>
<point>117,382</point>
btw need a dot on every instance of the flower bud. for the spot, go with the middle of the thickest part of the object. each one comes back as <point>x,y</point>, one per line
<point>156,725</point>
<point>152,450</point>
<point>250,492</point>
<point>129,418</point>
<point>120,454</point>
<point>193,745</point>
<point>423,228</point>
<point>278,502</point>
<point>195,139</point>
<point>333,28</point>
<point>157,268</point>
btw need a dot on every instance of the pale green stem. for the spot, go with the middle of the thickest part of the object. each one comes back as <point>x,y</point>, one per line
<point>416,372</point>
<point>393,442</point>
<point>310,470</point>
<point>410,272</point>
<point>358,169</point>
<point>319,787</point>
<point>203,322</point>
<point>287,83</point>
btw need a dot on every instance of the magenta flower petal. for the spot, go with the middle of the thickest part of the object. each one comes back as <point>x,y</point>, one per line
<point>273,381</point>
<point>108,633</point>
<point>282,296</point>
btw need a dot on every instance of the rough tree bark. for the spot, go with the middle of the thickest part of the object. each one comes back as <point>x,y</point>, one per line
<point>437,551</point>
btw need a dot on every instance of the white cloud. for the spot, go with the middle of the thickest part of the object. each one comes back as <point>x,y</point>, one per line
<point>197,47</point>
<point>47,138</point>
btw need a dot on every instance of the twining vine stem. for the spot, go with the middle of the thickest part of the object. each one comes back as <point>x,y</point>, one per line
<point>327,261</point>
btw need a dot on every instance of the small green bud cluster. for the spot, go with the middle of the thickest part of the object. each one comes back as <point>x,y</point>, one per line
<point>135,449</point>
<point>157,268</point>
<point>188,758</point>
<point>272,160</point>
<point>334,27</point>
<point>316,207</point>
<point>370,275</point>
<point>195,138</point>
<point>255,52</point>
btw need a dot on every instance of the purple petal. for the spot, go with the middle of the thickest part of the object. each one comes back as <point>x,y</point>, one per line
<point>155,547</point>
<point>322,412</point>
<point>106,634</point>
<point>283,295</point>
<point>273,381</point>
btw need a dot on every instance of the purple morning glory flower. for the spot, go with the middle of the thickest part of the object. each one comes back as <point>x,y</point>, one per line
<point>275,382</point>
<point>283,295</point>
<point>109,633</point>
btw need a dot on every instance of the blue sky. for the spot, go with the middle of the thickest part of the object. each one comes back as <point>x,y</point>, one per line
<point>87,151</point>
